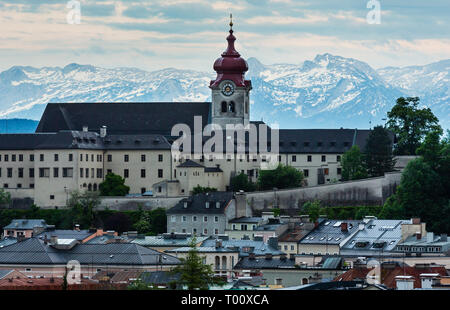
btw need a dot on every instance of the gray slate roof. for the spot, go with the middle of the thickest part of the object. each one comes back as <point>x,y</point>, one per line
<point>263,263</point>
<point>259,248</point>
<point>26,224</point>
<point>159,241</point>
<point>197,204</point>
<point>66,234</point>
<point>34,251</point>
<point>122,118</point>
<point>329,232</point>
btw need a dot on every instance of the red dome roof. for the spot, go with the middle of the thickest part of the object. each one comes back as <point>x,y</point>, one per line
<point>230,66</point>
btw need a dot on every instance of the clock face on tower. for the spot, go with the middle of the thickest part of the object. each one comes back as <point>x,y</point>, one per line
<point>228,89</point>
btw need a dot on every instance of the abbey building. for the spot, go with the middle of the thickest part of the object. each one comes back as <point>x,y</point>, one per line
<point>76,144</point>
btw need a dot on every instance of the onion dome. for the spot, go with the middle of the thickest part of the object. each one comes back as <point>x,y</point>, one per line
<point>231,66</point>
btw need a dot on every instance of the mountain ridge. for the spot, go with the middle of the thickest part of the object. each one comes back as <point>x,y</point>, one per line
<point>327,92</point>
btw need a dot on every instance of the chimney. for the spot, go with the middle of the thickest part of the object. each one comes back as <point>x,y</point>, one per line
<point>218,243</point>
<point>241,204</point>
<point>361,226</point>
<point>444,238</point>
<point>273,242</point>
<point>404,283</point>
<point>53,240</point>
<point>416,220</point>
<point>418,236</point>
<point>77,227</point>
<point>430,237</point>
<point>85,128</point>
<point>344,227</point>
<point>103,132</point>
<point>251,256</point>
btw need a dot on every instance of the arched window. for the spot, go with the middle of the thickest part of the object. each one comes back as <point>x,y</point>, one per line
<point>224,107</point>
<point>231,107</point>
<point>95,187</point>
<point>90,187</point>
<point>224,262</point>
<point>217,261</point>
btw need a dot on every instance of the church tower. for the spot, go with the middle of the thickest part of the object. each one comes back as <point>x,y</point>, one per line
<point>230,90</point>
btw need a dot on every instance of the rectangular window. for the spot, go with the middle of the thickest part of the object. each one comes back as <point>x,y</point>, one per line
<point>184,218</point>
<point>339,170</point>
<point>92,157</point>
<point>160,173</point>
<point>143,190</point>
<point>31,157</point>
<point>326,171</point>
<point>109,171</point>
<point>99,173</point>
<point>160,157</point>
<point>20,157</point>
<point>19,185</point>
<point>67,172</point>
<point>81,157</point>
<point>6,157</point>
<point>55,172</point>
<point>125,173</point>
<point>5,185</point>
<point>309,158</point>
<point>306,173</point>
<point>338,158</point>
<point>32,185</point>
<point>31,171</point>
<point>86,157</point>
<point>70,157</point>
<point>216,219</point>
<point>56,157</point>
<point>41,157</point>
<point>44,172</point>
<point>143,157</point>
<point>13,157</point>
<point>87,172</point>
<point>194,219</point>
<point>324,158</point>
<point>81,172</point>
<point>92,172</point>
<point>126,158</point>
<point>9,172</point>
<point>109,157</point>
<point>173,218</point>
<point>20,172</point>
<point>294,158</point>
<point>205,219</point>
<point>142,173</point>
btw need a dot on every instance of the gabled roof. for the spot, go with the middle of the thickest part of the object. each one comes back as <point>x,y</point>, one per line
<point>329,232</point>
<point>121,117</point>
<point>79,235</point>
<point>263,263</point>
<point>26,224</point>
<point>197,204</point>
<point>34,251</point>
<point>190,164</point>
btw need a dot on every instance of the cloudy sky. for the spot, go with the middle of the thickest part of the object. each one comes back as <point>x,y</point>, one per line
<point>190,34</point>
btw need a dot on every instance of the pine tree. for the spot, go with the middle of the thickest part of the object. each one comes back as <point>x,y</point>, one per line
<point>378,156</point>
<point>196,275</point>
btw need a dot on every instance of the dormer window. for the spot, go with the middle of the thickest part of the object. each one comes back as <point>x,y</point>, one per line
<point>207,205</point>
<point>218,205</point>
<point>185,205</point>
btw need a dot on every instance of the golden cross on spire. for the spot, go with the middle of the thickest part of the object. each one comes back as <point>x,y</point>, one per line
<point>231,21</point>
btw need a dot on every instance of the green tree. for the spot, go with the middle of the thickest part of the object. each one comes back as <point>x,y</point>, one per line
<point>241,182</point>
<point>113,185</point>
<point>378,156</point>
<point>143,226</point>
<point>82,207</point>
<point>431,148</point>
<point>158,221</point>
<point>420,194</point>
<point>353,167</point>
<point>5,197</point>
<point>201,190</point>
<point>280,177</point>
<point>196,275</point>
<point>410,124</point>
<point>313,209</point>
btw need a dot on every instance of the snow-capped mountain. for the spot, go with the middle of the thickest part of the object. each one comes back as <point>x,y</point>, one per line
<point>327,92</point>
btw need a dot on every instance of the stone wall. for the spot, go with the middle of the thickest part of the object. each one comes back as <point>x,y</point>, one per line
<point>373,191</point>
<point>133,203</point>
